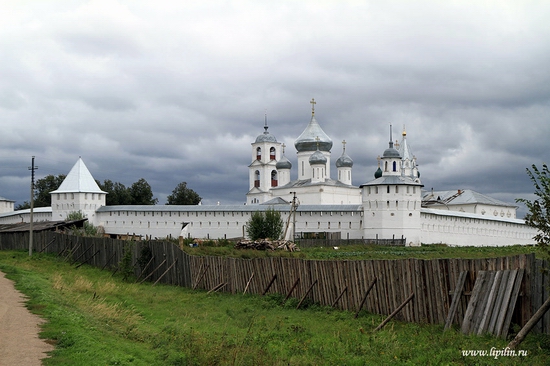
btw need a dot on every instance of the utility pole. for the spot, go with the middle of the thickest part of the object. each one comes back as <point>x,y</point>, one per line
<point>32,168</point>
<point>294,216</point>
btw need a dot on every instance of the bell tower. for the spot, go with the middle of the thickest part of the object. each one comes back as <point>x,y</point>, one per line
<point>263,174</point>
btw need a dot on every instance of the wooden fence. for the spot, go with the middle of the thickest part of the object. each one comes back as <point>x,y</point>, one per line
<point>339,283</point>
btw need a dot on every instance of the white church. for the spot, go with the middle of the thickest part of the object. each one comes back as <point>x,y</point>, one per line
<point>391,206</point>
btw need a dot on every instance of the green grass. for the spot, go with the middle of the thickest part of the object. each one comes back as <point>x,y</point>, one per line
<point>355,252</point>
<point>94,318</point>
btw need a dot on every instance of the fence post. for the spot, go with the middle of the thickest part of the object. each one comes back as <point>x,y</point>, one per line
<point>365,297</point>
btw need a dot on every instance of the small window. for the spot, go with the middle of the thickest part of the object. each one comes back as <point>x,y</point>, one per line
<point>257,178</point>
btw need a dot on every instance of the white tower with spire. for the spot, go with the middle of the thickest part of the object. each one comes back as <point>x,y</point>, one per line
<point>409,167</point>
<point>263,175</point>
<point>391,202</point>
<point>78,192</point>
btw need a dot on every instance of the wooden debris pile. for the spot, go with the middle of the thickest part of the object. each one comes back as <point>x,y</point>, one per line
<point>266,244</point>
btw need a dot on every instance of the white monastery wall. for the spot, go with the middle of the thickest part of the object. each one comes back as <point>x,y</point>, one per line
<point>14,217</point>
<point>215,222</point>
<point>461,229</point>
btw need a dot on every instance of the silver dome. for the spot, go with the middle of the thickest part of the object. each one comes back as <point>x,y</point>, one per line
<point>284,163</point>
<point>317,158</point>
<point>344,161</point>
<point>308,139</point>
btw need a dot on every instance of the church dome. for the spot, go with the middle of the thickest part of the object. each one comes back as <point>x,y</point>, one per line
<point>391,153</point>
<point>317,158</point>
<point>344,161</point>
<point>284,163</point>
<point>266,136</point>
<point>378,173</point>
<point>313,138</point>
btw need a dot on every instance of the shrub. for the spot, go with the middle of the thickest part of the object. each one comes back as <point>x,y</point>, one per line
<point>263,225</point>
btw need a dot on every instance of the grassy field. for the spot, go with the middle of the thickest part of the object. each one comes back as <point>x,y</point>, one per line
<point>349,252</point>
<point>95,318</point>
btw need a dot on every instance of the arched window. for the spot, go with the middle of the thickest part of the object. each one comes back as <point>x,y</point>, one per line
<point>274,180</point>
<point>258,153</point>
<point>257,178</point>
<point>395,166</point>
<point>386,166</point>
<point>272,153</point>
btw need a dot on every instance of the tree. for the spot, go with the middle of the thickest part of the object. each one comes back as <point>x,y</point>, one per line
<point>42,189</point>
<point>181,195</point>
<point>142,194</point>
<point>44,186</point>
<point>273,224</point>
<point>255,226</point>
<point>538,216</point>
<point>263,225</point>
<point>117,193</point>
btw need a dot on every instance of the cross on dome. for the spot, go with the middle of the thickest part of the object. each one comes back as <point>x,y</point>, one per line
<point>313,102</point>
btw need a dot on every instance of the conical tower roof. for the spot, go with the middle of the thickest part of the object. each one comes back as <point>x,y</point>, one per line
<point>79,179</point>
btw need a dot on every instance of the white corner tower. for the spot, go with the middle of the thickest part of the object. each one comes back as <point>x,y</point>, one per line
<point>391,202</point>
<point>263,175</point>
<point>78,192</point>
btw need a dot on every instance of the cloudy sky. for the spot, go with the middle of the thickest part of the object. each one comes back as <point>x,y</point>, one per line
<point>174,91</point>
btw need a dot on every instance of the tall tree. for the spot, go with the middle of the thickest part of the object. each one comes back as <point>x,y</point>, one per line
<point>117,193</point>
<point>42,189</point>
<point>182,195</point>
<point>142,194</point>
<point>538,216</point>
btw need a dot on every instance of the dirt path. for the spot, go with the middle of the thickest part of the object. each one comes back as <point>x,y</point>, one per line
<point>19,342</point>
